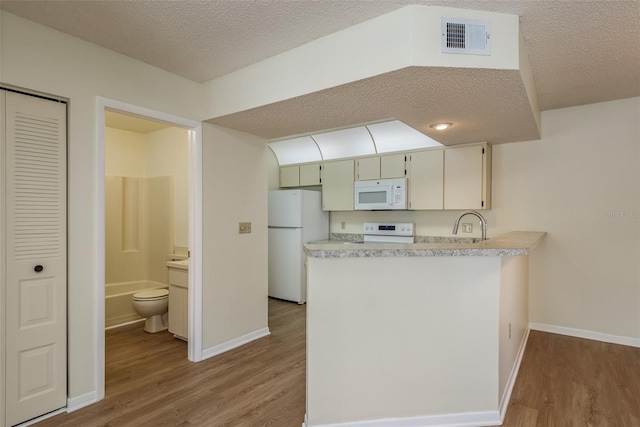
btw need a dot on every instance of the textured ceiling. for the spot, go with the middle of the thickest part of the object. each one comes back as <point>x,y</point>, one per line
<point>484,105</point>
<point>580,52</point>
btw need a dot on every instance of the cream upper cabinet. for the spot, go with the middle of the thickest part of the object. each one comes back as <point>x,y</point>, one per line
<point>426,175</point>
<point>467,177</point>
<point>380,167</point>
<point>289,176</point>
<point>440,178</point>
<point>337,185</point>
<point>310,174</point>
<point>392,166</point>
<point>368,168</point>
<point>300,175</point>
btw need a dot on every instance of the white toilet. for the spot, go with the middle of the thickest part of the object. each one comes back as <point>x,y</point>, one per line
<point>153,305</point>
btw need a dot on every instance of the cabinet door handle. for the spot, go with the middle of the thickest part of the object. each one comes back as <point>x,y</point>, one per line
<point>38,268</point>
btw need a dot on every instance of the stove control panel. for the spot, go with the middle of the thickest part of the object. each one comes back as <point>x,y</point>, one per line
<point>392,232</point>
<point>389,228</point>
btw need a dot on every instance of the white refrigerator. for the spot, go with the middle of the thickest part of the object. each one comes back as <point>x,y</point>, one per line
<point>295,218</point>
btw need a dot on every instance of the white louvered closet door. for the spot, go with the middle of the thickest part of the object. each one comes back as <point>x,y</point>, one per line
<point>36,256</point>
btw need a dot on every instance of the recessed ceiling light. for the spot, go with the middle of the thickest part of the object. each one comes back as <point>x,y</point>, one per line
<point>441,126</point>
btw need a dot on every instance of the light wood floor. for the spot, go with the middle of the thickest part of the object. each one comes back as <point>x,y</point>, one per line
<point>566,381</point>
<point>563,381</point>
<point>150,382</point>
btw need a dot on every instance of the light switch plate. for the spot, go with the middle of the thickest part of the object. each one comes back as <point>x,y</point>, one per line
<point>244,227</point>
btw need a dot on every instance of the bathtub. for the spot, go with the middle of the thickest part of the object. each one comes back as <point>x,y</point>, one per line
<point>118,308</point>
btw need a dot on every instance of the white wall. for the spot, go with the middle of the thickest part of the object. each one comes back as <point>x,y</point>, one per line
<point>514,318</point>
<point>38,58</point>
<point>234,274</point>
<point>428,223</point>
<point>167,154</point>
<point>161,153</point>
<point>581,184</point>
<point>124,153</point>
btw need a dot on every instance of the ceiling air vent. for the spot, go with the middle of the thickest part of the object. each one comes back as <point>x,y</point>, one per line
<point>465,36</point>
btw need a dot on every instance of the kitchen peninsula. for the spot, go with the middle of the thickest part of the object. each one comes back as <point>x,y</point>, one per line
<point>415,334</point>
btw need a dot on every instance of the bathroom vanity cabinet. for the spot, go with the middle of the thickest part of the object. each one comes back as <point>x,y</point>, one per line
<point>179,301</point>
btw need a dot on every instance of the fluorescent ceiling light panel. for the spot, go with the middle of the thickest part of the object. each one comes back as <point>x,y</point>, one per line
<point>296,150</point>
<point>396,136</point>
<point>345,143</point>
<point>388,137</point>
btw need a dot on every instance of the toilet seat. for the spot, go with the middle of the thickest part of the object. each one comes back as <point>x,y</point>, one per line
<point>152,295</point>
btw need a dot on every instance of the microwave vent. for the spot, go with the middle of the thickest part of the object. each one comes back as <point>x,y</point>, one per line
<point>465,36</point>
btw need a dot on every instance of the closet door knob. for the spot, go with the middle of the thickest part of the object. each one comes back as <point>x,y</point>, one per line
<point>38,268</point>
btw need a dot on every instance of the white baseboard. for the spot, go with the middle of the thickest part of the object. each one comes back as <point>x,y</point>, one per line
<point>75,403</point>
<point>506,396</point>
<point>124,324</point>
<point>466,419</point>
<point>236,342</point>
<point>590,335</point>
<point>42,418</point>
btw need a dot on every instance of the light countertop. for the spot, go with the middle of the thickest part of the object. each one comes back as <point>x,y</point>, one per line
<point>515,243</point>
<point>182,264</point>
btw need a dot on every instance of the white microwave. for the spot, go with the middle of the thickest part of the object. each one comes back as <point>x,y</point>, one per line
<point>381,194</point>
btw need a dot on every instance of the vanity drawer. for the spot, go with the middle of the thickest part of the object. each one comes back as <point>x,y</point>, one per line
<point>178,277</point>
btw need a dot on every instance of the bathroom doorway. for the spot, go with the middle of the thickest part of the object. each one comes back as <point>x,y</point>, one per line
<point>149,163</point>
<point>146,217</point>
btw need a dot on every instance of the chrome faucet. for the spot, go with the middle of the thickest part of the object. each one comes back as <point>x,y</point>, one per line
<point>483,222</point>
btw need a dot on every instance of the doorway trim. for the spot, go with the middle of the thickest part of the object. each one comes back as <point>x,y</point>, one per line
<point>195,229</point>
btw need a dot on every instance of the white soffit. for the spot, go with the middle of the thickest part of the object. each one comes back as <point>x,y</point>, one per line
<point>296,150</point>
<point>484,105</point>
<point>406,37</point>
<point>345,143</point>
<point>394,136</point>
<point>478,93</point>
